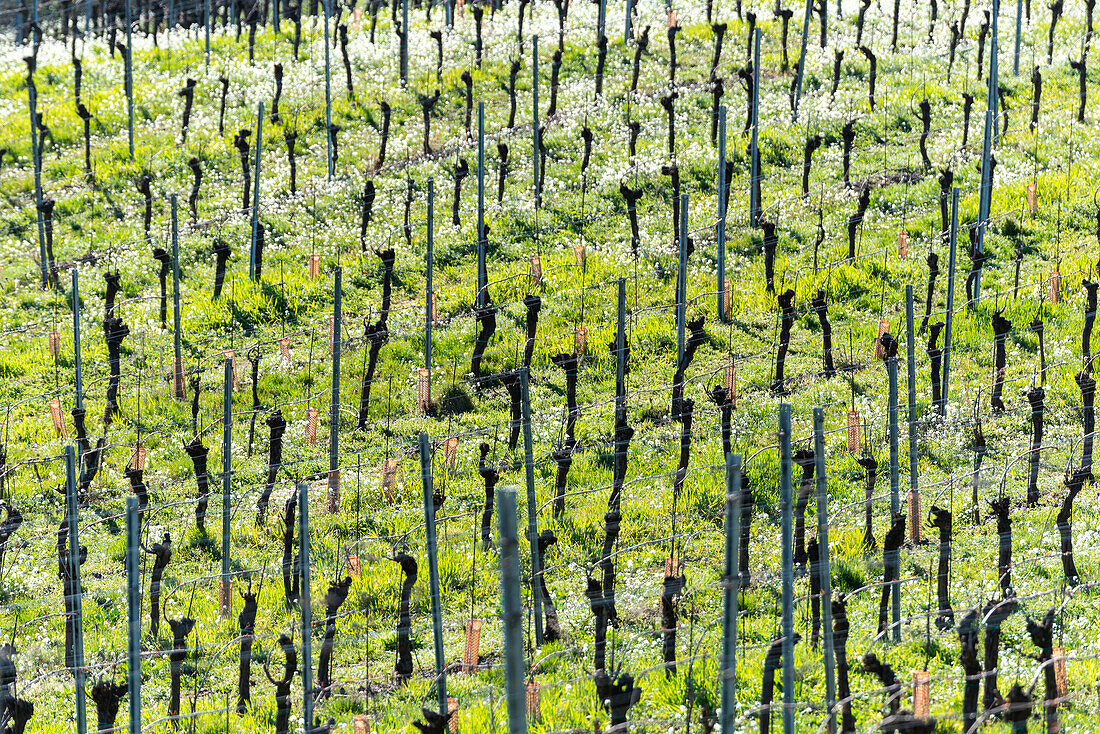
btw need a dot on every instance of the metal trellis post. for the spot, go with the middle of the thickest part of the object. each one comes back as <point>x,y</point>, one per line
<point>133,605</point>
<point>433,571</point>
<point>305,600</point>
<point>954,238</point>
<point>511,611</point>
<point>730,586</point>
<point>77,607</point>
<point>787,555</point>
<point>177,369</point>
<point>823,572</point>
<point>532,504</point>
<point>256,193</point>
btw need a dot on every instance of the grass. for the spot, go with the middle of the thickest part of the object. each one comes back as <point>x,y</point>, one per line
<point>103,219</point>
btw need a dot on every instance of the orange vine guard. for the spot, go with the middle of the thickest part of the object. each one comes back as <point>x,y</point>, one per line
<point>883,327</point>
<point>424,389</point>
<point>922,690</point>
<point>389,478</point>
<point>470,653</point>
<point>914,516</point>
<point>730,381</point>
<point>311,426</point>
<point>853,431</point>
<point>534,701</point>
<point>58,421</point>
<point>230,355</point>
<point>137,460</point>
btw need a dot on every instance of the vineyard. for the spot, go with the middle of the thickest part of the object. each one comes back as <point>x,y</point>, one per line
<point>548,366</point>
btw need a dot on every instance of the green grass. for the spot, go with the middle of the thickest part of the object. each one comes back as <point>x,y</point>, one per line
<point>103,219</point>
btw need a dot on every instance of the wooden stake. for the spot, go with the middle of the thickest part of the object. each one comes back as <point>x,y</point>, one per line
<point>536,270</point>
<point>1054,286</point>
<point>180,383</point>
<point>1058,660</point>
<point>225,597</point>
